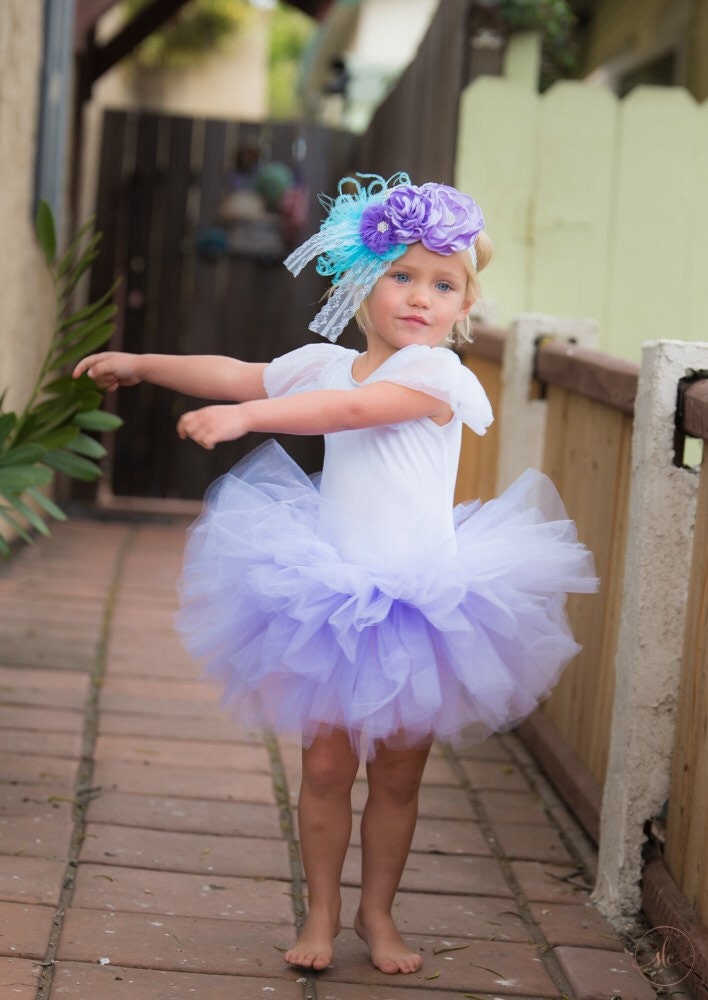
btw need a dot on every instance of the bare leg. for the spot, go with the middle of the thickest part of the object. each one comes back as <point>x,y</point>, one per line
<point>387,828</point>
<point>329,768</point>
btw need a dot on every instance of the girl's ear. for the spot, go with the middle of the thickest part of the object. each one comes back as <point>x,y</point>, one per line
<point>465,307</point>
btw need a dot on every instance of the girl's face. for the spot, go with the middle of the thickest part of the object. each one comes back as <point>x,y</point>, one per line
<point>418,300</point>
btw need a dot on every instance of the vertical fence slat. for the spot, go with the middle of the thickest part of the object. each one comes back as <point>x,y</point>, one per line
<point>654,200</point>
<point>496,163</point>
<point>477,474</point>
<point>588,444</point>
<point>687,831</point>
<point>571,216</point>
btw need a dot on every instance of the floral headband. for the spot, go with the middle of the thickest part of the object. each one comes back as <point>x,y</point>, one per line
<point>366,231</point>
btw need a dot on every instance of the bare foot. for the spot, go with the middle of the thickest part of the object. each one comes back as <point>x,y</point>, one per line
<point>389,952</point>
<point>314,949</point>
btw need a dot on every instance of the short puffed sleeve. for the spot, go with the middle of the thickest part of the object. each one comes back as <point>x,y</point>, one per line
<point>440,373</point>
<point>300,370</point>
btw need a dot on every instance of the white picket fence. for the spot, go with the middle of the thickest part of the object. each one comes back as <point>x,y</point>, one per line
<point>596,206</point>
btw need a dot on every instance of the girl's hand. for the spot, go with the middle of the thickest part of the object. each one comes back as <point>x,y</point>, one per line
<point>212,424</point>
<point>110,369</point>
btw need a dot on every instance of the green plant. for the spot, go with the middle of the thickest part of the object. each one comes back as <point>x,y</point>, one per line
<point>192,35</point>
<point>49,434</point>
<point>556,21</point>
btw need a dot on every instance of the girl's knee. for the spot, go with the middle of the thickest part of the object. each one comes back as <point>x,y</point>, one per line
<point>328,769</point>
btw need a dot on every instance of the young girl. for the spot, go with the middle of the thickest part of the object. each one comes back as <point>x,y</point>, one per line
<point>365,615</point>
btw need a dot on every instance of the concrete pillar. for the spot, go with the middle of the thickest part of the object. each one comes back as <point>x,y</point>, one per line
<point>523,419</point>
<point>662,507</point>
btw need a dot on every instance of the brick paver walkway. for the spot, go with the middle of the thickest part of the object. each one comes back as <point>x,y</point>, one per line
<point>148,849</point>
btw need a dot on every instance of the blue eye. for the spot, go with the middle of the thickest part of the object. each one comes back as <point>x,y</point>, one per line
<point>444,286</point>
<point>400,277</point>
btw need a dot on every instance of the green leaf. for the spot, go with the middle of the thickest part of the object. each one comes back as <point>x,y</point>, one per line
<point>69,256</point>
<point>89,401</point>
<point>46,504</point>
<point>7,514</point>
<point>50,414</point>
<point>88,310</point>
<point>98,420</point>
<point>88,344</point>
<point>46,234</point>
<point>76,333</point>
<point>7,424</point>
<point>58,438</point>
<point>71,465</point>
<point>4,547</point>
<point>89,255</point>
<point>18,478</point>
<point>88,446</point>
<point>23,454</point>
<point>30,515</point>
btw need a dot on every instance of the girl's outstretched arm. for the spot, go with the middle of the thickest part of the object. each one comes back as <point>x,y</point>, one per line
<point>320,412</point>
<point>209,375</point>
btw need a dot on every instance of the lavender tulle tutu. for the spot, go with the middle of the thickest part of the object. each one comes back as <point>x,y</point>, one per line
<point>456,642</point>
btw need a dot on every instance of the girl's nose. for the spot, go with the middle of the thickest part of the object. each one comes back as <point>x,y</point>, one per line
<point>419,294</point>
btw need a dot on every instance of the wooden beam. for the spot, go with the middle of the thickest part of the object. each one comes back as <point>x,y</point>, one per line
<point>148,20</point>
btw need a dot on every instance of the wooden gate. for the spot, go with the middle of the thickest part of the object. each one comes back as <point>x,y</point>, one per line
<point>184,289</point>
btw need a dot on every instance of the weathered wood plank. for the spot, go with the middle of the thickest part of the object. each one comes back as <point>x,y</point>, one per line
<point>593,374</point>
<point>687,830</point>
<point>587,455</point>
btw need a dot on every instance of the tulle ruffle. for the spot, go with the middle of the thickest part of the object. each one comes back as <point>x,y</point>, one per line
<point>459,641</point>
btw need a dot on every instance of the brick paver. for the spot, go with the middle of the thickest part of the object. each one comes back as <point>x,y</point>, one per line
<point>148,847</point>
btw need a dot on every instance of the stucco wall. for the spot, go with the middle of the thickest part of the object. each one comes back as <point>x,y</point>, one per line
<point>25,303</point>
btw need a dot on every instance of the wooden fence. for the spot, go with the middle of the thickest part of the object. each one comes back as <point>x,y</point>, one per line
<point>162,181</point>
<point>597,206</point>
<point>589,441</point>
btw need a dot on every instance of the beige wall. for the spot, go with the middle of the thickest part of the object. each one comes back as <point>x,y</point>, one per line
<point>25,303</point>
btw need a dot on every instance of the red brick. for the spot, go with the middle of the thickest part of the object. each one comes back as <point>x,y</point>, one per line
<point>491,749</point>
<point>440,873</point>
<point>25,930</point>
<point>31,880</point>
<point>513,807</point>
<point>28,768</point>
<point>449,836</point>
<point>448,915</point>
<point>481,966</point>
<point>149,690</point>
<point>46,836</point>
<point>204,854</point>
<point>247,819</point>
<point>243,948</point>
<point>350,991</point>
<point>74,981</point>
<point>595,975</point>
<point>50,688</point>
<point>29,741</point>
<point>532,843</point>
<point>40,801</point>
<point>135,890</point>
<point>18,979</point>
<point>216,727</point>
<point>501,776</point>
<point>195,753</point>
<point>161,779</point>
<point>575,925</point>
<point>45,720</point>
<point>549,883</point>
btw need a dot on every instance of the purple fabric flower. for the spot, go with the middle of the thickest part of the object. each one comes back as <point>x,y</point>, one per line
<point>376,230</point>
<point>455,219</point>
<point>409,211</point>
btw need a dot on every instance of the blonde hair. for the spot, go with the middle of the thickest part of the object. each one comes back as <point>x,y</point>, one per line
<point>461,332</point>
